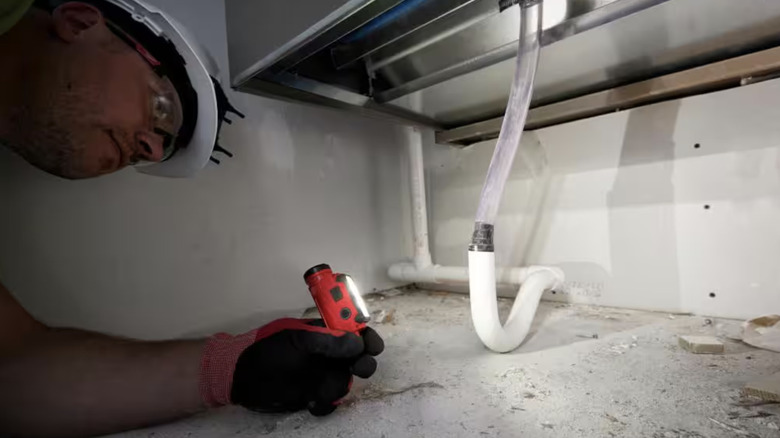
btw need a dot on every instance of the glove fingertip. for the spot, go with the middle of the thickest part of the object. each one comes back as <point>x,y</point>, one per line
<point>321,409</point>
<point>364,367</point>
<point>374,345</point>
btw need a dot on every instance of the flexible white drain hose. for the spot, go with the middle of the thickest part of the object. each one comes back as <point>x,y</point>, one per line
<point>516,112</point>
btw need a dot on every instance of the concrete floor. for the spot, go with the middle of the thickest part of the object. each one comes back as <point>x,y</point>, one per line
<point>437,380</point>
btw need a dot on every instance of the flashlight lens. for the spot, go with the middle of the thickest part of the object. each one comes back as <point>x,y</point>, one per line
<point>354,293</point>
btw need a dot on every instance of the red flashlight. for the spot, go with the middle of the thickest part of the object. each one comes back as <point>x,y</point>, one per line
<point>337,298</point>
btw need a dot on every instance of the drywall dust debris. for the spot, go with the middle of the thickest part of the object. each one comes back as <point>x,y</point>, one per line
<point>759,414</point>
<point>677,433</point>
<point>375,392</point>
<point>390,293</point>
<point>517,392</point>
<point>736,430</point>
<point>621,348</point>
<point>513,372</point>
<point>383,316</point>
<point>613,419</point>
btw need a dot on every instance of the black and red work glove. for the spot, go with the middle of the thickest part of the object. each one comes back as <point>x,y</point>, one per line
<point>287,365</point>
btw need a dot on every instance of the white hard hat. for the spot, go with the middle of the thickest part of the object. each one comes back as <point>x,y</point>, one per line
<point>190,69</point>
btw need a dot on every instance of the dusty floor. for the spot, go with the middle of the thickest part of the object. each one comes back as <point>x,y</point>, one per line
<point>437,380</point>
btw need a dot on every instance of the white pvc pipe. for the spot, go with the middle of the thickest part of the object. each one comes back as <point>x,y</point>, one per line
<point>437,274</point>
<point>422,253</point>
<point>484,309</point>
<point>482,276</point>
<point>484,305</point>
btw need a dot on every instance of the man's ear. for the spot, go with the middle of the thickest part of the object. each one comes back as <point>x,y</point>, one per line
<point>73,19</point>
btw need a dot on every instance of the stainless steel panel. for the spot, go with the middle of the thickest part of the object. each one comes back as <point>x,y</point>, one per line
<point>421,16</point>
<point>334,32</point>
<point>493,40</point>
<point>310,92</point>
<point>562,19</point>
<point>450,24</point>
<point>485,35</point>
<point>461,63</point>
<point>670,37</point>
<point>320,89</point>
<point>261,33</point>
<point>465,99</point>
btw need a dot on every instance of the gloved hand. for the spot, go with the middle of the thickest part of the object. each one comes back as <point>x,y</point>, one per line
<point>287,365</point>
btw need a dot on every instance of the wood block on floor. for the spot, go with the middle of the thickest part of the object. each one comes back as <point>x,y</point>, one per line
<point>767,388</point>
<point>701,344</point>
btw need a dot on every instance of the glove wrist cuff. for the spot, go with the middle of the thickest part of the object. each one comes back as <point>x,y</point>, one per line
<point>218,363</point>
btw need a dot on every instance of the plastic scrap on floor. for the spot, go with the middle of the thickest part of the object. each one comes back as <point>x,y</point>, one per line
<point>762,332</point>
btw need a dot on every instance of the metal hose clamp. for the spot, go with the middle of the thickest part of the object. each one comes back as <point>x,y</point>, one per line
<point>482,239</point>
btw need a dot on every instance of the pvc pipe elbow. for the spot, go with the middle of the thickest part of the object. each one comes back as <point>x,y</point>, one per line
<point>484,304</point>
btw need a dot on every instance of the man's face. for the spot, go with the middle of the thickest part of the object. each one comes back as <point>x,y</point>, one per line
<point>98,115</point>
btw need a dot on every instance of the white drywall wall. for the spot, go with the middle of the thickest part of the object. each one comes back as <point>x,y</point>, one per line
<point>154,258</point>
<point>623,208</point>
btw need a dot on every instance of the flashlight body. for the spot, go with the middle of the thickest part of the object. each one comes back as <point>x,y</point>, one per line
<point>335,296</point>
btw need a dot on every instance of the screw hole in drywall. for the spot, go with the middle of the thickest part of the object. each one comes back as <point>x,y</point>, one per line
<point>552,292</point>
<point>712,294</point>
<point>696,146</point>
<point>706,206</point>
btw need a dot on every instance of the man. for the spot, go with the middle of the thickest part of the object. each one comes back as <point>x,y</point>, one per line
<point>87,88</point>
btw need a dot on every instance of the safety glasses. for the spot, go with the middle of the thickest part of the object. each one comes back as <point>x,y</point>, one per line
<point>164,104</point>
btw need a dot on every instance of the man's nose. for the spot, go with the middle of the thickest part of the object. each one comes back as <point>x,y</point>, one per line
<point>149,147</point>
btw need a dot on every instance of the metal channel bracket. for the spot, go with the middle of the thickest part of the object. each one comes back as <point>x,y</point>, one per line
<point>715,76</point>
